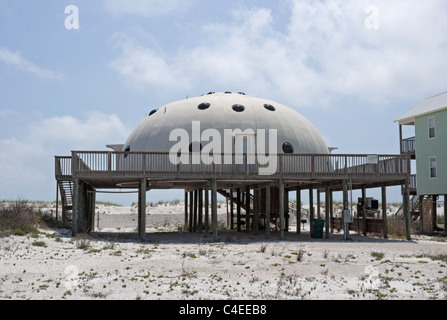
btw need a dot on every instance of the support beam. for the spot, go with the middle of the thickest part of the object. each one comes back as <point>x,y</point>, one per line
<point>281,209</point>
<point>331,208</point>
<point>231,210</point>
<point>186,208</point>
<point>318,204</point>
<point>200,216</point>
<point>298,211</point>
<point>445,213</point>
<point>238,210</point>
<point>194,222</point>
<point>326,211</point>
<point>384,217</point>
<point>406,208</point>
<point>214,208</point>
<point>142,209</point>
<point>247,209</point>
<point>207,213</point>
<point>191,209</point>
<point>267,212</point>
<point>434,213</point>
<point>256,211</point>
<point>311,210</point>
<point>345,207</point>
<point>364,210</point>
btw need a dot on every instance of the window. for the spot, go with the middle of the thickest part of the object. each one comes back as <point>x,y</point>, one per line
<point>269,107</point>
<point>431,128</point>
<point>204,106</point>
<point>238,108</point>
<point>433,167</point>
<point>287,147</point>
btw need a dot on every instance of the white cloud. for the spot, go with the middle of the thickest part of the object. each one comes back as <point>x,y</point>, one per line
<point>146,8</point>
<point>15,59</point>
<point>27,159</point>
<point>324,53</point>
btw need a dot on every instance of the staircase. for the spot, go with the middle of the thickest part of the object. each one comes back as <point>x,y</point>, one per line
<point>65,184</point>
<point>414,208</point>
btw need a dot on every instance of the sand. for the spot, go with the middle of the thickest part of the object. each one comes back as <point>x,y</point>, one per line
<point>114,264</point>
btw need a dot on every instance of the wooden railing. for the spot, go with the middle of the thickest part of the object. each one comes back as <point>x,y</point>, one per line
<point>305,166</point>
<point>408,145</point>
<point>62,167</point>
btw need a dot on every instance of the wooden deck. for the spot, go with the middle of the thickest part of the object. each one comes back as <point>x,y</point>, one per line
<point>104,169</point>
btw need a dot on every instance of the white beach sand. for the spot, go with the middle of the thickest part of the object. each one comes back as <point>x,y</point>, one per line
<point>176,265</point>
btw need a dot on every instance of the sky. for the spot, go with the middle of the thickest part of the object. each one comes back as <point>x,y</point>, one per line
<point>77,75</point>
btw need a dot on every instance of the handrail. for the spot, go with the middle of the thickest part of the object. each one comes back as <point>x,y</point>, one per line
<point>312,166</point>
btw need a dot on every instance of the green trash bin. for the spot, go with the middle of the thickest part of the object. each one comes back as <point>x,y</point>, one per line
<point>318,225</point>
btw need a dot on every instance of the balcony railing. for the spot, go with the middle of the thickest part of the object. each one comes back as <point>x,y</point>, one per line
<point>304,166</point>
<point>408,145</point>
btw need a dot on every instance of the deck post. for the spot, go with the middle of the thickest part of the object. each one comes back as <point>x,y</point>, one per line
<point>326,210</point>
<point>364,210</point>
<point>191,209</point>
<point>345,207</point>
<point>231,210</point>
<point>331,208</point>
<point>318,204</point>
<point>445,213</point>
<point>406,208</point>
<point>298,211</point>
<point>384,217</point>
<point>247,209</point>
<point>214,208</point>
<point>76,207</point>
<point>207,212</point>
<point>267,212</point>
<point>433,212</point>
<point>186,208</point>
<point>311,211</point>
<point>194,227</point>
<point>142,210</point>
<point>238,210</point>
<point>200,216</point>
<point>256,210</point>
<point>281,209</point>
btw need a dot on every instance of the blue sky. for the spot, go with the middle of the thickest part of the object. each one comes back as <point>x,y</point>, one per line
<point>66,89</point>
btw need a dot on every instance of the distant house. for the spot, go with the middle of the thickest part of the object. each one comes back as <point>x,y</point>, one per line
<point>428,148</point>
<point>429,145</point>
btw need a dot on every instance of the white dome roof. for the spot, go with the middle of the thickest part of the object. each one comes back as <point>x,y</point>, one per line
<point>216,112</point>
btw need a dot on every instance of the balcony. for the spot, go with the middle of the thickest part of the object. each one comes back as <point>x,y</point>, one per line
<point>408,146</point>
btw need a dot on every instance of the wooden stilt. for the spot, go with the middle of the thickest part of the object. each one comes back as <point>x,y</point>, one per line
<point>364,210</point>
<point>281,209</point>
<point>207,218</point>
<point>406,208</point>
<point>326,211</point>
<point>298,211</point>
<point>200,215</point>
<point>214,208</point>
<point>142,210</point>
<point>384,217</point>
<point>194,222</point>
<point>311,210</point>
<point>186,209</point>
<point>191,210</point>
<point>238,213</point>
<point>267,212</point>
<point>247,209</point>
<point>255,210</point>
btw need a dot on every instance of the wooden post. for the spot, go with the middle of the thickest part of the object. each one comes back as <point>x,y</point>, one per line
<point>247,209</point>
<point>142,209</point>
<point>326,210</point>
<point>331,208</point>
<point>345,207</point>
<point>256,210</point>
<point>281,209</point>
<point>434,213</point>
<point>57,198</point>
<point>207,218</point>
<point>364,209</point>
<point>194,227</point>
<point>406,208</point>
<point>298,211</point>
<point>214,208</point>
<point>231,210</point>
<point>445,213</point>
<point>186,209</point>
<point>311,211</point>
<point>238,210</point>
<point>200,223</point>
<point>384,217</point>
<point>267,212</point>
<point>286,210</point>
<point>191,210</point>
<point>318,204</point>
